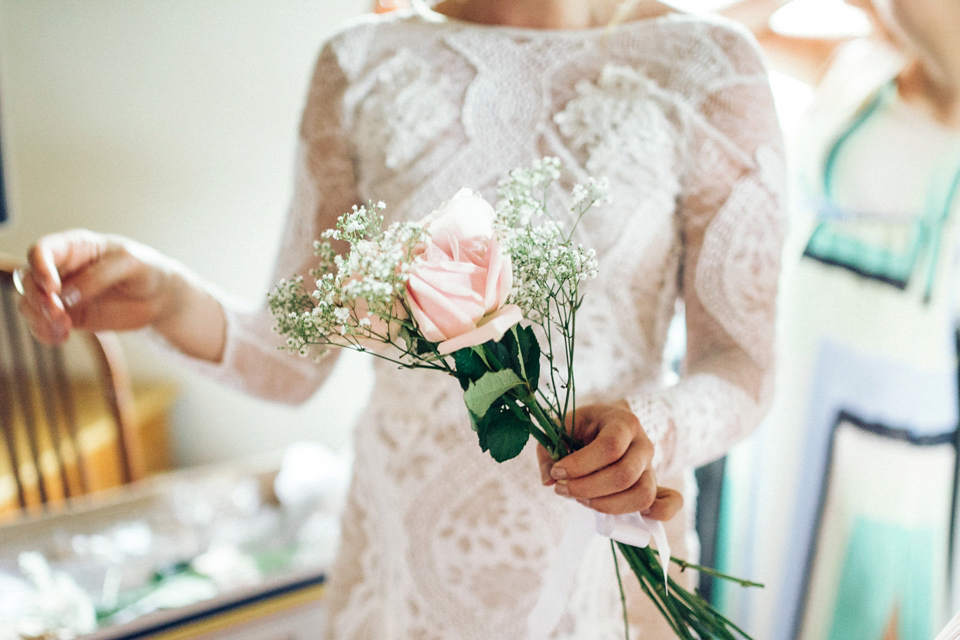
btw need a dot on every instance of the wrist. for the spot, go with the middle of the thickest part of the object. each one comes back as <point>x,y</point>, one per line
<point>189,317</point>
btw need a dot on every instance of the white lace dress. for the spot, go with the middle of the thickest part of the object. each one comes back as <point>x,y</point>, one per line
<point>440,541</point>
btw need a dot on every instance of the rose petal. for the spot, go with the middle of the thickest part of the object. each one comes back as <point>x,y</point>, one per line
<point>466,215</point>
<point>457,282</point>
<point>438,316</point>
<point>491,327</point>
<point>499,273</point>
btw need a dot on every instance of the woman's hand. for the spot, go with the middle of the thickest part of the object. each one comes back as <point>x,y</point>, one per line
<point>84,280</point>
<point>612,473</point>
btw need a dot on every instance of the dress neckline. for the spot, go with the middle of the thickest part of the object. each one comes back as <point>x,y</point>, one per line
<point>434,17</point>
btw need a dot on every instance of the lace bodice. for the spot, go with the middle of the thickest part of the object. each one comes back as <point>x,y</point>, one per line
<point>440,542</point>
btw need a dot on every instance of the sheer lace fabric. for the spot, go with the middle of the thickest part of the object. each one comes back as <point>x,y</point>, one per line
<point>440,542</point>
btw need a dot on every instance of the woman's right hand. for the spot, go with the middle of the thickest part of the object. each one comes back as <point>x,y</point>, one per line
<point>84,280</point>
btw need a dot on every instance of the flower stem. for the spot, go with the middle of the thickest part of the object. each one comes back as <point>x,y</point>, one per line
<point>647,581</point>
<point>557,447</point>
<point>623,595</point>
<point>684,565</point>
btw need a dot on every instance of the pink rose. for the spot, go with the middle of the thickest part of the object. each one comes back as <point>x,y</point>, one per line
<point>460,279</point>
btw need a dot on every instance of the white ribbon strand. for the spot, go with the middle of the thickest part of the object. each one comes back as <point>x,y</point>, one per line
<point>631,528</point>
<point>636,530</point>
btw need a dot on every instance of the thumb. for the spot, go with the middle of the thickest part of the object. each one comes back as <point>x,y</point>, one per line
<point>666,505</point>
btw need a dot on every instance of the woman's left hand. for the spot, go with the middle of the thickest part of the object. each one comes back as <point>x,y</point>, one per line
<point>612,473</point>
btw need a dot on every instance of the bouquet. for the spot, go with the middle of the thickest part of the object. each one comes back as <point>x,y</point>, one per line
<point>489,296</point>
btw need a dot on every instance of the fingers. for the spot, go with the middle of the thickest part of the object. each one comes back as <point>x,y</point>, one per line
<point>616,473</point>
<point>60,254</point>
<point>49,260</point>
<point>612,473</point>
<point>627,486</point>
<point>667,504</point>
<point>609,431</point>
<point>79,279</point>
<point>89,283</point>
<point>639,496</point>
<point>119,291</point>
<point>546,464</point>
<point>43,311</point>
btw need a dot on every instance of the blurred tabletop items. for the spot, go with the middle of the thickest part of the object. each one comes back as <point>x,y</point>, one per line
<point>222,551</point>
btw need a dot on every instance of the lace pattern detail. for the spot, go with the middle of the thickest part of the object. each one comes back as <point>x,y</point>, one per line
<point>617,115</point>
<point>685,423</point>
<point>739,263</point>
<point>408,108</point>
<point>654,414</point>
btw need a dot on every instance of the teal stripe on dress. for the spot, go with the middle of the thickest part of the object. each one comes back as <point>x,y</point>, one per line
<point>888,569</point>
<point>831,244</point>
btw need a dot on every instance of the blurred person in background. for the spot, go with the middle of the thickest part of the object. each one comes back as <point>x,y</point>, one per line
<point>861,439</point>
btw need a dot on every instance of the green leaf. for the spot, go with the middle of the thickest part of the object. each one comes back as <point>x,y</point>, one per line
<point>469,366</point>
<point>510,344</point>
<point>503,433</point>
<point>484,392</point>
<point>528,355</point>
<point>497,354</point>
<point>482,425</point>
<point>522,352</point>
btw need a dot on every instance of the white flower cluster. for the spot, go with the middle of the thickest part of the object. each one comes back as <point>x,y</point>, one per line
<point>356,296</point>
<point>593,191</point>
<point>523,193</point>
<point>547,266</point>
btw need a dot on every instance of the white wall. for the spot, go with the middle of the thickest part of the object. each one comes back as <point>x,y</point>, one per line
<point>173,122</point>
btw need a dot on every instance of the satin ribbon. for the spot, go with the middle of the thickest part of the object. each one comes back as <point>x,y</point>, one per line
<point>635,530</point>
<point>632,528</point>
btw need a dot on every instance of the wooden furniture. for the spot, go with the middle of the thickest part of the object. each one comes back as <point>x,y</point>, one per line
<point>68,415</point>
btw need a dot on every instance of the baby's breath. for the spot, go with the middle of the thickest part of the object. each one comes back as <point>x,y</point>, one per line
<point>548,267</point>
<point>366,282</point>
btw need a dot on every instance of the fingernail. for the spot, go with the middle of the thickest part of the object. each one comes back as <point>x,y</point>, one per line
<point>562,490</point>
<point>57,302</point>
<point>18,280</point>
<point>545,474</point>
<point>584,501</point>
<point>646,512</point>
<point>558,473</point>
<point>70,295</point>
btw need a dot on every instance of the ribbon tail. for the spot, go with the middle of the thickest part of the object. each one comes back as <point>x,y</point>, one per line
<point>560,576</point>
<point>663,547</point>
<point>636,530</point>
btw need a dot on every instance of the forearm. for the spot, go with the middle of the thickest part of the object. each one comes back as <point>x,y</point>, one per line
<point>697,420</point>
<point>193,320</point>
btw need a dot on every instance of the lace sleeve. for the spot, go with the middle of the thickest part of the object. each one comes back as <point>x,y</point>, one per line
<point>324,188</point>
<point>732,218</point>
